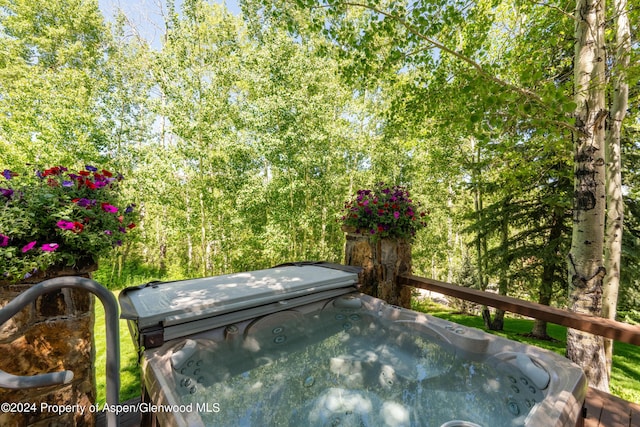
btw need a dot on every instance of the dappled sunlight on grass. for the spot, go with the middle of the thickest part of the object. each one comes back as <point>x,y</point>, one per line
<point>626,372</point>
<point>129,369</point>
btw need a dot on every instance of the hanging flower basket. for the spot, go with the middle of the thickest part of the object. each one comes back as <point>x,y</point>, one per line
<point>380,225</point>
<point>56,217</point>
<point>385,212</point>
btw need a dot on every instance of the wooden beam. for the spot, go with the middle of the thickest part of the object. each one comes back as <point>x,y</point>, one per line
<point>617,331</point>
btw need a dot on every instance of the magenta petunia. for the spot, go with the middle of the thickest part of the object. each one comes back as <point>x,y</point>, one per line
<point>50,247</point>
<point>28,246</point>
<point>109,208</point>
<point>65,225</point>
<point>4,240</point>
<point>396,214</point>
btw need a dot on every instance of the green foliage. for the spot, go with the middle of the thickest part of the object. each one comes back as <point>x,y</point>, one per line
<point>241,136</point>
<point>52,55</point>
<point>57,217</point>
<point>133,272</point>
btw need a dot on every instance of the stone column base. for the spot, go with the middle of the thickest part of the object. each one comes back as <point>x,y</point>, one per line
<point>54,333</point>
<point>382,261</point>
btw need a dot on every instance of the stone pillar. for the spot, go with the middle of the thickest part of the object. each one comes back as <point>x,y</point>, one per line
<point>54,333</point>
<point>382,261</point>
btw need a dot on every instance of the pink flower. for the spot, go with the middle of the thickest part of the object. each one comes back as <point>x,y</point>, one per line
<point>109,208</point>
<point>65,225</point>
<point>396,214</point>
<point>75,226</point>
<point>4,240</point>
<point>28,246</point>
<point>50,247</point>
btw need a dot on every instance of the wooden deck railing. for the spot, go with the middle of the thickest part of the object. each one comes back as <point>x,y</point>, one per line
<point>617,331</point>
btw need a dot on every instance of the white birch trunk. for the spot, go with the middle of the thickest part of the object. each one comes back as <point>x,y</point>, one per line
<point>586,268</point>
<point>615,203</point>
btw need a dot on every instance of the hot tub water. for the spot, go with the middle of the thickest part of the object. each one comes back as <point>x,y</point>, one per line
<point>343,366</point>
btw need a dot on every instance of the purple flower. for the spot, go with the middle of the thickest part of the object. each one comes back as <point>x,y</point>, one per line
<point>4,240</point>
<point>6,192</point>
<point>66,183</point>
<point>50,247</point>
<point>84,202</point>
<point>129,208</point>
<point>28,246</point>
<point>396,214</point>
<point>107,232</point>
<point>8,174</point>
<point>91,168</point>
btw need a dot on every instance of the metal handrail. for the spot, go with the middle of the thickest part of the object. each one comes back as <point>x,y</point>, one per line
<point>112,330</point>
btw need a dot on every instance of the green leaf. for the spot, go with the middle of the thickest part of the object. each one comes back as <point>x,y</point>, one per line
<point>569,107</point>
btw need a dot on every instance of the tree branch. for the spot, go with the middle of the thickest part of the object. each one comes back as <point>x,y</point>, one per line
<point>557,9</point>
<point>528,94</point>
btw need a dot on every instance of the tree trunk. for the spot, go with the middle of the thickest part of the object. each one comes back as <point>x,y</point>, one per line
<point>615,204</point>
<point>539,329</point>
<point>548,273</point>
<point>498,321</point>
<point>586,270</point>
<point>481,242</point>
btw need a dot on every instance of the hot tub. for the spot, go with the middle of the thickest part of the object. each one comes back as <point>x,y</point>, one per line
<point>299,346</point>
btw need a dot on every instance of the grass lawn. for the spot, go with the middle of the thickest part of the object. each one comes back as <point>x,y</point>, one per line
<point>625,381</point>
<point>129,369</point>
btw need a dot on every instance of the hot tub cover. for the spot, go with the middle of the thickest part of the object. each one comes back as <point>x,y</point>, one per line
<point>180,308</point>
